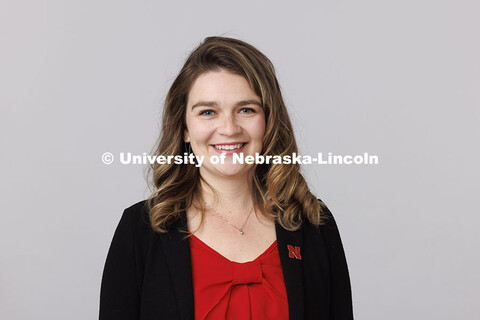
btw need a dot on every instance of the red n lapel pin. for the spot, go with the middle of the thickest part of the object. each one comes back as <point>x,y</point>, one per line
<point>294,252</point>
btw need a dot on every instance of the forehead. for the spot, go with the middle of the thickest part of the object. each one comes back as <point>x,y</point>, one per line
<point>220,86</point>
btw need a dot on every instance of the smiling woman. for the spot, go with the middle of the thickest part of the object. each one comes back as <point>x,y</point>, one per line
<point>226,240</point>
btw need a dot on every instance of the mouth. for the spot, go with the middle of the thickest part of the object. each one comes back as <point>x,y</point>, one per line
<point>229,147</point>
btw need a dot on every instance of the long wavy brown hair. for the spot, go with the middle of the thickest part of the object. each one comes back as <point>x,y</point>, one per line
<point>279,190</point>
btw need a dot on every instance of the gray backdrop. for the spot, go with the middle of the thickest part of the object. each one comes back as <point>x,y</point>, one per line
<point>399,79</point>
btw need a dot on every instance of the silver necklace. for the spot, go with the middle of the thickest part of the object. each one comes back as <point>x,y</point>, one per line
<point>239,229</point>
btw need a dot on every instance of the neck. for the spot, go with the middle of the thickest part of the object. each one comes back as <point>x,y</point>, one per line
<point>233,193</point>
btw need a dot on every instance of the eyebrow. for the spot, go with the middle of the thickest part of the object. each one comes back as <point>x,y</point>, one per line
<point>214,104</point>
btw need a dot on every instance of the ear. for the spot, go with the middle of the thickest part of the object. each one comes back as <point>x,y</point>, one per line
<point>186,136</point>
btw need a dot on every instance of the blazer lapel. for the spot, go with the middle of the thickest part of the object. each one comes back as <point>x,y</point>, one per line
<point>290,246</point>
<point>177,254</point>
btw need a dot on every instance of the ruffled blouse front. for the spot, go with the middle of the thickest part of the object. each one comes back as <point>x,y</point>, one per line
<point>224,289</point>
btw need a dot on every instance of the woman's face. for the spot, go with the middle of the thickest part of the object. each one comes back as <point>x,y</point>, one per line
<point>224,115</point>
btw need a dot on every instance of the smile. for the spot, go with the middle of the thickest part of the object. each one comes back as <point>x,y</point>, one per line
<point>228,146</point>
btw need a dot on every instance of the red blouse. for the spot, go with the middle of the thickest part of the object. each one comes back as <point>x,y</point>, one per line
<point>225,289</point>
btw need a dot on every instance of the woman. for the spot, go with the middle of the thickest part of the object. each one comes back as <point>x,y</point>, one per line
<point>226,240</point>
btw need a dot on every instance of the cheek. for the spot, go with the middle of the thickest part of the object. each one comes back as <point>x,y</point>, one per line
<point>198,131</point>
<point>257,128</point>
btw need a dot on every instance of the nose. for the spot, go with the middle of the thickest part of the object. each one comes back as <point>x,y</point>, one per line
<point>229,126</point>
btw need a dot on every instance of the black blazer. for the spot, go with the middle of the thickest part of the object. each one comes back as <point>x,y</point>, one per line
<point>148,275</point>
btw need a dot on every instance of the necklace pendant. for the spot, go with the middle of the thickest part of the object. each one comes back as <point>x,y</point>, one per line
<point>241,231</point>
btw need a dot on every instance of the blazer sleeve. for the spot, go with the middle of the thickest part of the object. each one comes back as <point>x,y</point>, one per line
<point>119,293</point>
<point>340,293</point>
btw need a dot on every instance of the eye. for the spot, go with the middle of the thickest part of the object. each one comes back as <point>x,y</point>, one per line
<point>206,112</point>
<point>247,110</point>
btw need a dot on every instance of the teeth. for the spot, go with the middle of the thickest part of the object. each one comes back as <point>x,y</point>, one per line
<point>229,146</point>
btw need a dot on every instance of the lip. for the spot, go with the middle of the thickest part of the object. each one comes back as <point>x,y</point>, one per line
<point>229,151</point>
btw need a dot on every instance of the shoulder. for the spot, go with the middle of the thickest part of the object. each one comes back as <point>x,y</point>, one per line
<point>328,228</point>
<point>137,210</point>
<point>136,217</point>
<point>326,218</point>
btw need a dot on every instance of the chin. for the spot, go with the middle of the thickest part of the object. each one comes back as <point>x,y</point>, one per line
<point>231,171</point>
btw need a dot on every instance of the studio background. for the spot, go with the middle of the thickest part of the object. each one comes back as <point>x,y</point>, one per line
<point>396,79</point>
